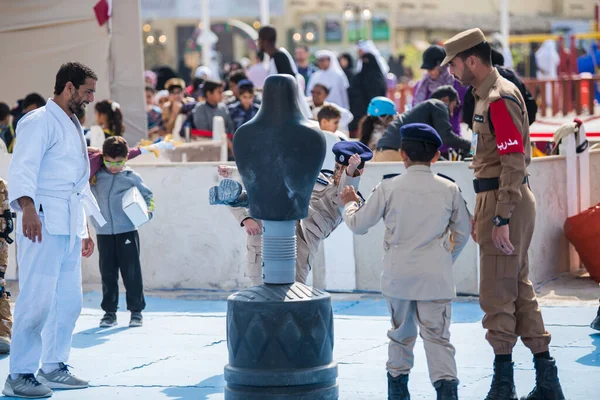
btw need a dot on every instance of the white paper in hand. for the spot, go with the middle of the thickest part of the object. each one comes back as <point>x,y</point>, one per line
<point>135,207</point>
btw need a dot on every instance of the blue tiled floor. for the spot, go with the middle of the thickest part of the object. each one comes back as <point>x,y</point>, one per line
<point>181,350</point>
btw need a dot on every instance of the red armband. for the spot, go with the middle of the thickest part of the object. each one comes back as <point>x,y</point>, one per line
<point>508,137</point>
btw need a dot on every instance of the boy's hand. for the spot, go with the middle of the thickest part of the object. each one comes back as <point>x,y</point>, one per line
<point>225,171</point>
<point>252,227</point>
<point>348,195</point>
<point>93,150</point>
<point>353,164</point>
<point>87,247</point>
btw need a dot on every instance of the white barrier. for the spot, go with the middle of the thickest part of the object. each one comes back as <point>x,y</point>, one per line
<point>190,244</point>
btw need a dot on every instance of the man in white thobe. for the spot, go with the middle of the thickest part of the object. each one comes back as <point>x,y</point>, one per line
<point>332,76</point>
<point>49,176</point>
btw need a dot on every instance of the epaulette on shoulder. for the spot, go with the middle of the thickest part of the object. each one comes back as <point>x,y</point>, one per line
<point>446,177</point>
<point>450,179</point>
<point>327,172</point>
<point>322,181</point>
<point>389,176</point>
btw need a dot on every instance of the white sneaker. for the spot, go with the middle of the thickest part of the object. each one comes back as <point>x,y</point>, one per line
<point>61,378</point>
<point>26,387</point>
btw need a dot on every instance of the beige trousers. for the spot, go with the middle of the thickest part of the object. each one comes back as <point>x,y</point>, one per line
<point>432,319</point>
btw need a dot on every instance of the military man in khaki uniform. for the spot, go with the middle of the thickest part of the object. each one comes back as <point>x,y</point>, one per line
<point>324,213</point>
<point>5,228</point>
<point>504,217</point>
<point>419,211</point>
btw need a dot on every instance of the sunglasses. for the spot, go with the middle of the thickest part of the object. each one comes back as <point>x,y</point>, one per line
<point>116,164</point>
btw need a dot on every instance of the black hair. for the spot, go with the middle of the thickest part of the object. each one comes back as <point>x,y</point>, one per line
<point>304,47</point>
<point>115,118</point>
<point>325,88</point>
<point>418,151</point>
<point>73,72</point>
<point>328,112</point>
<point>268,33</point>
<point>445,91</point>
<point>246,89</point>
<point>483,51</point>
<point>349,58</point>
<point>34,98</point>
<point>497,58</point>
<point>260,56</point>
<point>210,86</point>
<point>114,147</point>
<point>4,111</point>
<point>150,89</point>
<point>237,76</point>
<point>366,126</point>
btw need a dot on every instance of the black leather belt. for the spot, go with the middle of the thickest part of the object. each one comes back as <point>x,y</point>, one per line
<point>487,184</point>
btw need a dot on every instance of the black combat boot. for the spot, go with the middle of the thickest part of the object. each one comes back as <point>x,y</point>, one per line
<point>547,386</point>
<point>503,383</point>
<point>398,387</point>
<point>596,323</point>
<point>446,390</point>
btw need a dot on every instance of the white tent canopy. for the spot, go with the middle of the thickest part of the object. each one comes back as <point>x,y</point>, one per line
<point>38,36</point>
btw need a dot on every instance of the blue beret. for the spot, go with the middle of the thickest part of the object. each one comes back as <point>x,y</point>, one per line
<point>245,82</point>
<point>420,133</point>
<point>345,149</point>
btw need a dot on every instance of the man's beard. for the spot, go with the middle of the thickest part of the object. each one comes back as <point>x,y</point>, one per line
<point>467,77</point>
<point>76,105</point>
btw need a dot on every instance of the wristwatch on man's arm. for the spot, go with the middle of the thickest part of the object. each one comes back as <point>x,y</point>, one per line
<point>498,221</point>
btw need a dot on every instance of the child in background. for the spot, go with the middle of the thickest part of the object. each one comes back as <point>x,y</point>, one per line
<point>329,119</point>
<point>419,211</point>
<point>204,113</point>
<point>110,118</point>
<point>380,114</point>
<point>245,109</point>
<point>118,241</point>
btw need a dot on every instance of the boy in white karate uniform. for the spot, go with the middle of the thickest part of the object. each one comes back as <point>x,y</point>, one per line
<point>49,176</point>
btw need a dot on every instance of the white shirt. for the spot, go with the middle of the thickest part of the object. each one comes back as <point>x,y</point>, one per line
<point>50,165</point>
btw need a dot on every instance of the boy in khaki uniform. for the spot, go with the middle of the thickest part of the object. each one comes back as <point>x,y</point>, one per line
<point>419,211</point>
<point>324,213</point>
<point>501,153</point>
<point>6,227</point>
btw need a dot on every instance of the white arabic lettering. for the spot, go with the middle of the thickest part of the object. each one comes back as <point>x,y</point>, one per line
<point>505,145</point>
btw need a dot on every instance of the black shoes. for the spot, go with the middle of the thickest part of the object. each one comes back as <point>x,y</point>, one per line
<point>503,383</point>
<point>446,390</point>
<point>398,387</point>
<point>547,386</point>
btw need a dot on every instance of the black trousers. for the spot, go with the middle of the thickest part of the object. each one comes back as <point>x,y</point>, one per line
<point>121,252</point>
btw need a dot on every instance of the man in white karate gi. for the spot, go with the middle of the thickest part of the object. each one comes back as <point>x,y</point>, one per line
<point>49,176</point>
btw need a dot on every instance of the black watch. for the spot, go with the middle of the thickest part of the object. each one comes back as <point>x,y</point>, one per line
<point>499,221</point>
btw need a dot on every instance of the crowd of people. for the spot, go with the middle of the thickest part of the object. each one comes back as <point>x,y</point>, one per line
<point>53,187</point>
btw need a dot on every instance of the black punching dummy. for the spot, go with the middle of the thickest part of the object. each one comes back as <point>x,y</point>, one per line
<point>279,334</point>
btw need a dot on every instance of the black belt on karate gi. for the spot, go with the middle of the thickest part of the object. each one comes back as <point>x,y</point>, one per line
<point>487,184</point>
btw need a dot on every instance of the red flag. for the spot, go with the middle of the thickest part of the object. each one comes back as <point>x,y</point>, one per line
<point>101,10</point>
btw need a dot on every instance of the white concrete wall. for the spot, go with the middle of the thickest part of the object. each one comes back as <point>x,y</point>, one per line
<point>190,244</point>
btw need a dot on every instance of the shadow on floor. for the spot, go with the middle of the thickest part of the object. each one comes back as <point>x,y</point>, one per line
<point>592,359</point>
<point>201,391</point>
<point>94,336</point>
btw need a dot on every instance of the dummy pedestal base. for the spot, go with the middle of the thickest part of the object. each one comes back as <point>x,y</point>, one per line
<point>280,342</point>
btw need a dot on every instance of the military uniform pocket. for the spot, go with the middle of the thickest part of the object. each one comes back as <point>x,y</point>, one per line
<point>499,280</point>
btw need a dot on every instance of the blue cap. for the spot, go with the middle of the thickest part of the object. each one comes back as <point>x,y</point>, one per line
<point>245,82</point>
<point>380,106</point>
<point>420,133</point>
<point>346,149</point>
